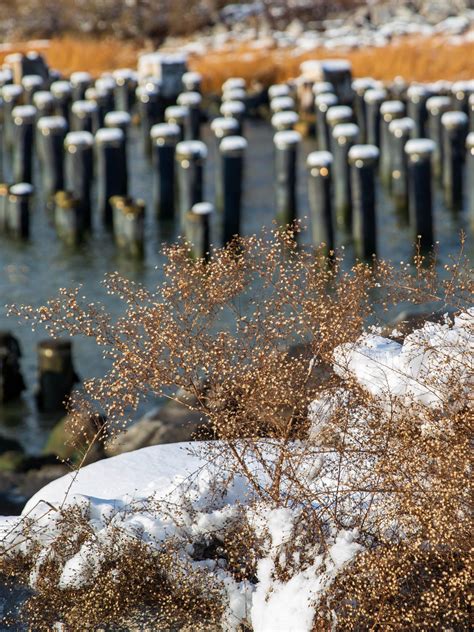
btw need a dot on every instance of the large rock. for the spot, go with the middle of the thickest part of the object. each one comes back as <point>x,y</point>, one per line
<point>172,423</point>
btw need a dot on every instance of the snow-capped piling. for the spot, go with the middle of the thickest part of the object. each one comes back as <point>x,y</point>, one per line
<point>68,218</point>
<point>150,111</point>
<point>389,111</point>
<point>79,169</point>
<point>455,130</point>
<point>80,81</point>
<point>284,120</point>
<point>436,107</point>
<point>198,229</point>
<point>470,177</point>
<point>124,90</point>
<point>286,159</point>
<point>345,135</point>
<point>374,98</point>
<point>56,374</point>
<point>279,90</point>
<point>62,94</point>
<point>104,96</point>
<point>190,160</point>
<point>31,84</point>
<point>111,169</point>
<point>236,94</point>
<point>319,165</point>
<point>401,130</point>
<point>177,115</point>
<point>363,161</point>
<point>24,117</point>
<point>192,101</point>
<point>18,210</point>
<point>44,103</point>
<point>420,189</point>
<point>119,119</point>
<point>11,97</point>
<point>337,115</point>
<point>222,127</point>
<point>417,96</point>
<point>232,150</point>
<point>471,113</point>
<point>359,88</point>
<point>322,104</point>
<point>164,138</point>
<point>84,115</point>
<point>129,225</point>
<point>192,81</point>
<point>11,379</point>
<point>234,110</point>
<point>461,91</point>
<point>282,104</point>
<point>50,139</point>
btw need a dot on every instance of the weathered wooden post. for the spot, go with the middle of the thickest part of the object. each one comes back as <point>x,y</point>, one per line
<point>24,117</point>
<point>192,81</point>
<point>124,91</point>
<point>198,230</point>
<point>111,169</point>
<point>148,99</point>
<point>104,97</point>
<point>401,131</point>
<point>44,103</point>
<point>177,115</point>
<point>323,102</point>
<point>18,210</point>
<point>337,115</point>
<point>11,97</point>
<point>62,94</point>
<point>165,137</point>
<point>232,150</point>
<point>31,84</point>
<point>363,160</point>
<point>461,91</point>
<point>83,116</point>
<point>68,218</point>
<point>420,189</point>
<point>129,225</point>
<point>455,130</point>
<point>80,81</point>
<point>470,178</point>
<point>284,120</point>
<point>190,159</point>
<point>360,87</point>
<point>11,379</point>
<point>56,374</point>
<point>345,135</point>
<point>373,100</point>
<point>192,101</point>
<point>319,164</point>
<point>417,96</point>
<point>436,107</point>
<point>389,111</point>
<point>286,159</point>
<point>235,110</point>
<point>79,161</point>
<point>50,138</point>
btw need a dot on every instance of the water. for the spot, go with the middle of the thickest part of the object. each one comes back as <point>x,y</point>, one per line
<point>32,273</point>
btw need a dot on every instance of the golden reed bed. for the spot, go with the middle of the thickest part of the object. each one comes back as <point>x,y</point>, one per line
<point>417,59</point>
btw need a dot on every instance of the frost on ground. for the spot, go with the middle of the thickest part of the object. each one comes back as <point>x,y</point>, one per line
<point>185,493</point>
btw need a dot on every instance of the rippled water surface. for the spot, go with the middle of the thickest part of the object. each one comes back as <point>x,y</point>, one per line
<point>31,273</point>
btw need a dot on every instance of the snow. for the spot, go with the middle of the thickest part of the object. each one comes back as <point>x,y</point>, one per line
<point>233,82</point>
<point>109,135</point>
<point>31,81</point>
<point>286,138</point>
<point>399,127</point>
<point>24,112</point>
<point>191,148</point>
<point>423,146</point>
<point>165,130</point>
<point>117,118</point>
<point>221,124</point>
<point>202,208</point>
<point>278,90</point>
<point>79,139</point>
<point>282,103</point>
<point>391,107</point>
<point>454,119</point>
<point>52,122</point>
<point>285,119</point>
<point>363,152</point>
<point>233,143</point>
<point>80,107</point>
<point>339,113</point>
<point>10,91</point>
<point>375,94</point>
<point>22,188</point>
<point>80,77</point>
<point>437,104</point>
<point>189,98</point>
<point>325,100</point>
<point>319,159</point>
<point>232,108</point>
<point>346,130</point>
<point>176,113</point>
<point>234,94</point>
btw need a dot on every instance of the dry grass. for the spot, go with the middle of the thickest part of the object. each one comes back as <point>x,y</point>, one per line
<point>428,59</point>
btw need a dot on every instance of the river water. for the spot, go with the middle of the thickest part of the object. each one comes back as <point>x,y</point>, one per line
<point>32,272</point>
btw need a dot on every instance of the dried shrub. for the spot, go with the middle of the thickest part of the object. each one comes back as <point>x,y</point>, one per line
<point>264,337</point>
